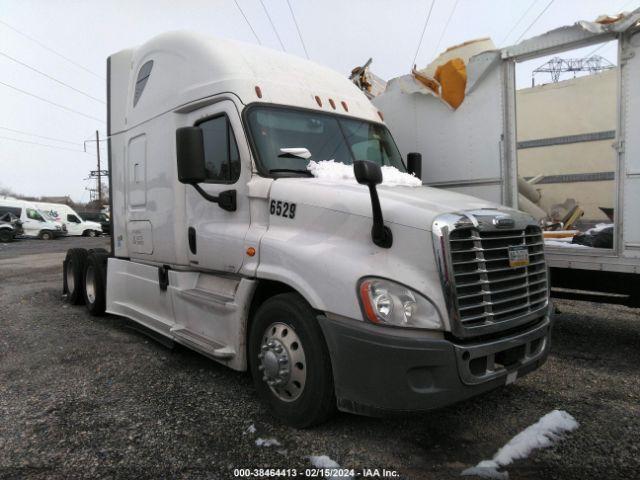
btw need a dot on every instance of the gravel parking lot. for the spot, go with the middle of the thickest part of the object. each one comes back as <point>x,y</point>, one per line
<point>91,397</point>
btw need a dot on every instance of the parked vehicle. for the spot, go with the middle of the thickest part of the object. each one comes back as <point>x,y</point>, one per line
<point>34,222</point>
<point>485,164</point>
<point>360,295</point>
<point>75,225</point>
<point>7,232</point>
<point>15,223</point>
<point>99,217</point>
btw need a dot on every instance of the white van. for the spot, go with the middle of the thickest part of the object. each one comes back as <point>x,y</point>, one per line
<point>75,224</point>
<point>35,223</point>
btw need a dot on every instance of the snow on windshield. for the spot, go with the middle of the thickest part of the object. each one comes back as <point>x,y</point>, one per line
<point>339,172</point>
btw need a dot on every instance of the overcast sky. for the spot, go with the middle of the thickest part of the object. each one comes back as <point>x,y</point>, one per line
<point>338,34</point>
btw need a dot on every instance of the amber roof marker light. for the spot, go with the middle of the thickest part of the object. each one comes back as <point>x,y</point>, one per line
<point>258,91</point>
<point>318,101</point>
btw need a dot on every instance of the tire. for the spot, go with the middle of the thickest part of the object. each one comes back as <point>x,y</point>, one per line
<point>73,275</point>
<point>46,235</point>
<point>6,236</point>
<point>94,282</point>
<point>285,320</point>
<point>91,233</point>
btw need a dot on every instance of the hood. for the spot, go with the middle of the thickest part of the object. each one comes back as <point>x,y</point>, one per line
<point>96,225</point>
<point>409,206</point>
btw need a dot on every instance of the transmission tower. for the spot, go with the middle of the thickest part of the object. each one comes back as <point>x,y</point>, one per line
<point>556,66</point>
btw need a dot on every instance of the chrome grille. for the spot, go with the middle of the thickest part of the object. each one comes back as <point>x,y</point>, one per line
<point>485,289</point>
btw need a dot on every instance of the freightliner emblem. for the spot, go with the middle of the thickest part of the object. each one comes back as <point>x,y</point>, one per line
<point>503,222</point>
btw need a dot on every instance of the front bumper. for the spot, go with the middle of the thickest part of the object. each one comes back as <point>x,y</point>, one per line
<point>381,369</point>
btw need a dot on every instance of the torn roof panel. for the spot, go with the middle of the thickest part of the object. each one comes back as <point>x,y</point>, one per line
<point>580,34</point>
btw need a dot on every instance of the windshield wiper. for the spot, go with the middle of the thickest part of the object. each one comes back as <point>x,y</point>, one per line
<point>291,170</point>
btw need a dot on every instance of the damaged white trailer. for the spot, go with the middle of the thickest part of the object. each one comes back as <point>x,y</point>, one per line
<point>473,149</point>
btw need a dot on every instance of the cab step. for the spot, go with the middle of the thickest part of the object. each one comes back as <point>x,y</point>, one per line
<point>202,344</point>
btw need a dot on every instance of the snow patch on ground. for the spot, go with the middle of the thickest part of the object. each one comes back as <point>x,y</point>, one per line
<point>339,172</point>
<point>323,461</point>
<point>542,434</point>
<point>267,442</point>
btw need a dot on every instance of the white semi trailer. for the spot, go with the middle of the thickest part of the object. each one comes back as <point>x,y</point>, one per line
<point>369,297</point>
<point>474,149</point>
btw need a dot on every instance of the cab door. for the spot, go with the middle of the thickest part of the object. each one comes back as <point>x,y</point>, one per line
<point>215,235</point>
<point>33,222</point>
<point>74,225</point>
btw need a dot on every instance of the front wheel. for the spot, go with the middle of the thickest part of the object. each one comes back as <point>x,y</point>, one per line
<point>46,235</point>
<point>6,236</point>
<point>290,362</point>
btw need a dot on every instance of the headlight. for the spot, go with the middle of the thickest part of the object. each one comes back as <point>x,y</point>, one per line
<point>58,227</point>
<point>389,303</point>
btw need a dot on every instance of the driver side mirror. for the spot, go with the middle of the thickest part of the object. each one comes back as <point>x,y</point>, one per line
<point>190,153</point>
<point>191,166</point>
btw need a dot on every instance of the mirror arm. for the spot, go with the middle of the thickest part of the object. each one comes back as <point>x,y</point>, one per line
<point>380,233</point>
<point>225,200</point>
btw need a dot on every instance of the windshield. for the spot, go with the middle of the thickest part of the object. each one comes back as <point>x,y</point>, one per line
<point>325,136</point>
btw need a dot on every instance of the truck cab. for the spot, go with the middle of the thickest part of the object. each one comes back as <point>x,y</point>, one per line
<point>355,288</point>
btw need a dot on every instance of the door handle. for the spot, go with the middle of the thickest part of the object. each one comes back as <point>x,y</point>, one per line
<point>192,240</point>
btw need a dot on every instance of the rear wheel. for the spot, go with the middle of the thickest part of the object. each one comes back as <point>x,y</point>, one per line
<point>95,276</point>
<point>73,275</point>
<point>46,235</point>
<point>6,236</point>
<point>290,362</point>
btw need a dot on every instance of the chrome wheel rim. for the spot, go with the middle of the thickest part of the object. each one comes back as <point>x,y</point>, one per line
<point>90,284</point>
<point>71,281</point>
<point>282,362</point>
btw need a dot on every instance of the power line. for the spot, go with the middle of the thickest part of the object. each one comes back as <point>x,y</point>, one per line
<point>275,30</point>
<point>534,21</point>
<point>515,25</point>
<point>43,144</point>
<point>455,5</point>
<point>248,22</point>
<point>52,103</point>
<point>424,29</point>
<point>39,136</point>
<point>51,78</point>
<point>37,42</point>
<point>293,15</point>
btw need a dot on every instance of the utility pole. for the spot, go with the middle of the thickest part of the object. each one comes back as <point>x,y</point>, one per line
<point>99,170</point>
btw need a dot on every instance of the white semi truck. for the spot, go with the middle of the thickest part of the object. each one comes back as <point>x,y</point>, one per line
<point>361,296</point>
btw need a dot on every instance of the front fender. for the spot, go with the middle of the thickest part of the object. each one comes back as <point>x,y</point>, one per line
<point>323,254</point>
